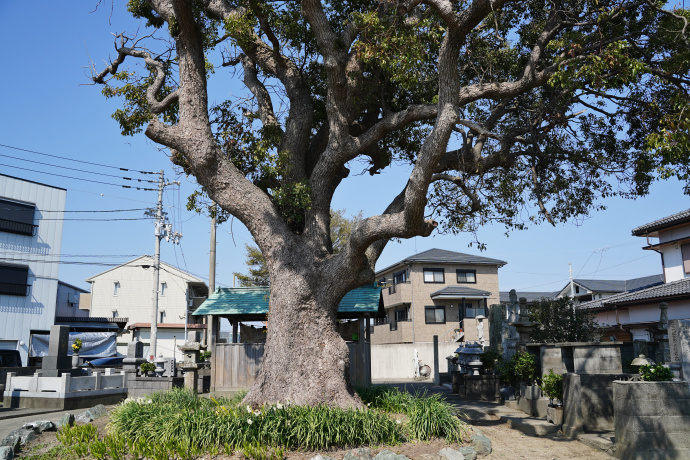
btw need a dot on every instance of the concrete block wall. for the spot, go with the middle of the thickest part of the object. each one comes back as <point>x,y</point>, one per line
<point>588,402</point>
<point>652,420</point>
<point>140,386</point>
<point>395,361</point>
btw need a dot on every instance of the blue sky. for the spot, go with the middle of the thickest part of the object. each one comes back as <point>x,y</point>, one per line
<point>48,106</point>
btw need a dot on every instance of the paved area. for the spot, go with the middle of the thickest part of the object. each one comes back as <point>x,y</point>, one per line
<point>11,419</point>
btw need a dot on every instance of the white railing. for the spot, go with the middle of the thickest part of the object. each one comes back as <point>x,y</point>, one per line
<point>65,383</point>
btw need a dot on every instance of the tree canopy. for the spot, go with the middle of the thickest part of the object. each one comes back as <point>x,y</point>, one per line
<point>503,111</point>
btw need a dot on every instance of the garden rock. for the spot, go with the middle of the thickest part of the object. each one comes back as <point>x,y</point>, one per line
<point>6,453</point>
<point>12,441</point>
<point>97,412</point>
<point>39,426</point>
<point>430,457</point>
<point>468,452</point>
<point>481,444</point>
<point>67,419</point>
<point>359,454</point>
<point>322,457</point>
<point>388,455</point>
<point>451,454</point>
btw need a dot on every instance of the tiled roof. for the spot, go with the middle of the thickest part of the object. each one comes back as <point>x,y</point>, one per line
<point>530,296</point>
<point>439,256</point>
<point>460,291</point>
<point>675,219</point>
<point>254,301</point>
<point>668,290</point>
<point>620,285</point>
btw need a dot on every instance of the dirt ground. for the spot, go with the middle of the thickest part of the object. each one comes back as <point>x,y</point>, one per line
<point>508,444</point>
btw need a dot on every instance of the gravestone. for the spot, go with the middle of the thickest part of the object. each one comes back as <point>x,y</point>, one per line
<point>57,362</point>
<point>679,344</point>
<point>135,356</point>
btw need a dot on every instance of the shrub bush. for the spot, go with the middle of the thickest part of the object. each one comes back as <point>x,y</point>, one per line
<point>552,385</point>
<point>521,367</point>
<point>657,373</point>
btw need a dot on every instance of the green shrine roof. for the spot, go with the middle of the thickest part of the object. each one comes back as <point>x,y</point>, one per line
<point>253,302</point>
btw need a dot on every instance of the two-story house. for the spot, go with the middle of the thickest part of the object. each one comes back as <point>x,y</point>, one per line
<point>585,290</point>
<point>127,291</point>
<point>629,315</point>
<point>437,292</point>
<point>30,241</point>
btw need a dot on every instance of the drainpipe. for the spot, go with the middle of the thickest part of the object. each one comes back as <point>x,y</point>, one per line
<point>412,315</point>
<point>663,268</point>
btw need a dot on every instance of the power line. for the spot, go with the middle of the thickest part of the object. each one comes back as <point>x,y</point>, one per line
<point>76,161</point>
<point>76,169</point>
<point>79,178</point>
<point>67,210</point>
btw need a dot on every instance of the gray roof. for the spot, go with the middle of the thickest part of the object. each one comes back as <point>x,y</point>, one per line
<point>460,291</point>
<point>675,219</point>
<point>529,296</point>
<point>680,288</point>
<point>441,256</point>
<point>620,285</point>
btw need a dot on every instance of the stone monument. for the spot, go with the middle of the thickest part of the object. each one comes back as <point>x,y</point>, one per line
<point>679,344</point>
<point>57,362</point>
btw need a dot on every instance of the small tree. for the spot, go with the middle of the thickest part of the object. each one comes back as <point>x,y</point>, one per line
<point>559,321</point>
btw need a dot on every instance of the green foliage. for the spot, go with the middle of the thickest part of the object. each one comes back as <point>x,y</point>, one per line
<point>558,320</point>
<point>204,355</point>
<point>428,416</point>
<point>147,367</point>
<point>258,270</point>
<point>521,367</point>
<point>552,385</point>
<point>655,373</point>
<point>179,424</point>
<point>491,360</point>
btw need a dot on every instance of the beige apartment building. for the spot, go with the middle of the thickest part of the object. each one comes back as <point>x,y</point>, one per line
<point>437,292</point>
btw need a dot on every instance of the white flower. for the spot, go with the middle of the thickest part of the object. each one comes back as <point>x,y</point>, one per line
<point>398,422</point>
<point>250,421</point>
<point>257,412</point>
<point>249,409</point>
<point>279,406</point>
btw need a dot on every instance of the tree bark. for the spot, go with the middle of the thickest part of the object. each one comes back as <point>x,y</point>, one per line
<point>306,362</point>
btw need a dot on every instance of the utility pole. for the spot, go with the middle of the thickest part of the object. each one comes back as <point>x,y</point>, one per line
<point>572,286</point>
<point>162,229</point>
<point>209,319</point>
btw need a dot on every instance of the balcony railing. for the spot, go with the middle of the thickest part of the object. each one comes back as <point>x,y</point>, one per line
<point>14,289</point>
<point>20,228</point>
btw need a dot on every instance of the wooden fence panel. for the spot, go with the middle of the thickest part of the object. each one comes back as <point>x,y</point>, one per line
<point>236,365</point>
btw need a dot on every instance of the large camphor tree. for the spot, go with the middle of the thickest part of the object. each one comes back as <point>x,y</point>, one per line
<point>505,111</point>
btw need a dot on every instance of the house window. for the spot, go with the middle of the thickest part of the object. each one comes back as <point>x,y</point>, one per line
<point>435,315</point>
<point>434,275</point>
<point>116,288</point>
<point>17,218</point>
<point>685,251</point>
<point>114,314</point>
<point>398,278</point>
<point>402,314</point>
<point>14,280</point>
<point>162,316</point>
<point>466,276</point>
<point>164,289</point>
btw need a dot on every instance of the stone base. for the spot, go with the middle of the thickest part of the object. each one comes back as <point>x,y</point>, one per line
<point>554,415</point>
<point>71,401</point>
<point>533,407</point>
<point>140,386</point>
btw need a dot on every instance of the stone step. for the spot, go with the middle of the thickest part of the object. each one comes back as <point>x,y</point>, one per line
<point>603,440</point>
<point>529,425</point>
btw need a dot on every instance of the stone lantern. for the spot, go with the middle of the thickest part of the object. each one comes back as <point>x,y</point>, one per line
<point>191,364</point>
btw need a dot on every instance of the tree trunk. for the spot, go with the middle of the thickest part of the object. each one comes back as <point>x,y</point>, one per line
<point>306,362</point>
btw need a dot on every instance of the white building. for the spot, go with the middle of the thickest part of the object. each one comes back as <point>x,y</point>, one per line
<point>127,291</point>
<point>30,243</point>
<point>631,314</point>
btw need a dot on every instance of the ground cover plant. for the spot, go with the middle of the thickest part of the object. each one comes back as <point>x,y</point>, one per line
<point>179,424</point>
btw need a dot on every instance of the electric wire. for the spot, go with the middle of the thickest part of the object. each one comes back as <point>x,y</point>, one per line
<point>81,178</point>
<point>78,170</point>
<point>75,210</point>
<point>77,161</point>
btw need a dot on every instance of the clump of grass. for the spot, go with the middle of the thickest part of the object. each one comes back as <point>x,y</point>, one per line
<point>182,416</point>
<point>428,415</point>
